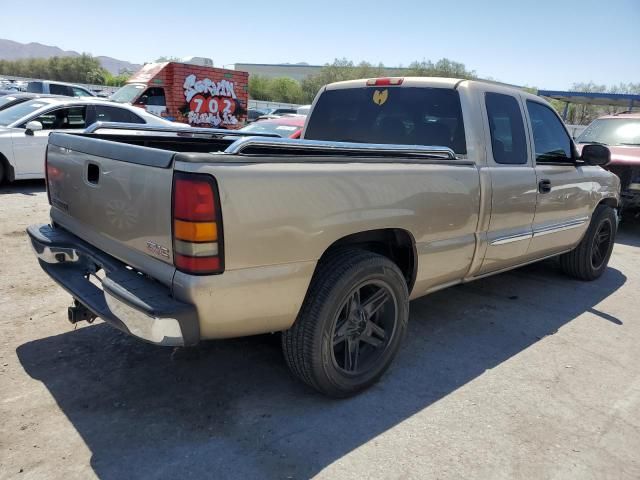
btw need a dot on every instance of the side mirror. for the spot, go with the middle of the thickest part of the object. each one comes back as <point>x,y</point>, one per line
<point>33,126</point>
<point>593,154</point>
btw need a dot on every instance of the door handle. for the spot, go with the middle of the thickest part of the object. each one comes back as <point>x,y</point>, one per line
<point>544,186</point>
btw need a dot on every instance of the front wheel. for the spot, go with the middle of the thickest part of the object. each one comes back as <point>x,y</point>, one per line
<point>351,324</point>
<point>590,258</point>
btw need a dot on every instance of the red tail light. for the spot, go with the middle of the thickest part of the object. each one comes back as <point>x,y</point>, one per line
<point>385,81</point>
<point>197,224</point>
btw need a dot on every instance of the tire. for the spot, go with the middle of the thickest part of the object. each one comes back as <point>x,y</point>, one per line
<point>2,170</point>
<point>351,324</point>
<point>590,258</point>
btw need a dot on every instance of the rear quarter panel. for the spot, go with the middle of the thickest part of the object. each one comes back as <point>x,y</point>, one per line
<point>279,218</point>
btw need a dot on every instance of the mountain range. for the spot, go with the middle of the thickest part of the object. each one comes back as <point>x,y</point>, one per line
<point>10,50</point>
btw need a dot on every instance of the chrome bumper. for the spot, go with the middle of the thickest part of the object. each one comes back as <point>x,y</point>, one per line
<point>123,297</point>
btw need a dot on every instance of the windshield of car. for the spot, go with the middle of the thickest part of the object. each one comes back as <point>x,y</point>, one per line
<point>17,112</point>
<point>127,94</point>
<point>7,99</point>
<point>400,115</point>
<point>269,127</point>
<point>612,131</point>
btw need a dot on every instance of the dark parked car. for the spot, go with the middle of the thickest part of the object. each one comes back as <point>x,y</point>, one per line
<point>253,114</point>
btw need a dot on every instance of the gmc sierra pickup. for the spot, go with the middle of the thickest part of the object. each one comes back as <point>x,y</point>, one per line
<point>399,187</point>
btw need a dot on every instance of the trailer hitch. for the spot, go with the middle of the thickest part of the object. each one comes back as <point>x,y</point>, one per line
<point>78,313</point>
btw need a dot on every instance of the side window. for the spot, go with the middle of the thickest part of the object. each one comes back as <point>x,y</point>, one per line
<point>80,92</point>
<point>551,141</point>
<point>115,114</point>
<point>56,89</point>
<point>508,140</point>
<point>153,96</point>
<point>34,87</point>
<point>64,118</point>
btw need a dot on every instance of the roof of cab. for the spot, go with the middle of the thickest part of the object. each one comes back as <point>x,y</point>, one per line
<point>441,82</point>
<point>437,82</point>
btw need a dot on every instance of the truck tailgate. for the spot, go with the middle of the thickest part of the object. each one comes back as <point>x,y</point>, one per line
<point>115,196</point>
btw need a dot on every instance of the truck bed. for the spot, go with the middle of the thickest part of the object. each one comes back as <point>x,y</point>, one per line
<point>126,209</point>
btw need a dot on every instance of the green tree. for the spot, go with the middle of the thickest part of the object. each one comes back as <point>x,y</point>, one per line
<point>259,87</point>
<point>285,89</point>
<point>80,69</point>
<point>343,69</point>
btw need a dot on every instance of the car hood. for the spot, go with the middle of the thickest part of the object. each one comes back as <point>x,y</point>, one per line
<point>621,154</point>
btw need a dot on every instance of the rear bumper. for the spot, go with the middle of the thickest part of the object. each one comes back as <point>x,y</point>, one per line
<point>127,300</point>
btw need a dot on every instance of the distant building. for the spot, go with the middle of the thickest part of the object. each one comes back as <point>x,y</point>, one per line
<point>297,71</point>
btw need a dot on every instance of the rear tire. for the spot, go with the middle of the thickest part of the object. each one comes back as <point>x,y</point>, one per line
<point>351,324</point>
<point>589,259</point>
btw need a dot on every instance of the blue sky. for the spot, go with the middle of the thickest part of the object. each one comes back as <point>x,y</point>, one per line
<point>548,44</point>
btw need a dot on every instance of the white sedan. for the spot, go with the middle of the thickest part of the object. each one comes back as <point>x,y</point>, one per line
<point>25,128</point>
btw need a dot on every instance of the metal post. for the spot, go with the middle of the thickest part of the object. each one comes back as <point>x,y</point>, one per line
<point>565,111</point>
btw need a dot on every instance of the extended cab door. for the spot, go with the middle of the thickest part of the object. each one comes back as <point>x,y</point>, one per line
<point>513,181</point>
<point>563,204</point>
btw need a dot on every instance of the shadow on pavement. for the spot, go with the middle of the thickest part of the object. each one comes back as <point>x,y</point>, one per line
<point>230,408</point>
<point>26,187</point>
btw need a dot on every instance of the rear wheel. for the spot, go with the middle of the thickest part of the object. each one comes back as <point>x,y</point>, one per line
<point>590,258</point>
<point>351,324</point>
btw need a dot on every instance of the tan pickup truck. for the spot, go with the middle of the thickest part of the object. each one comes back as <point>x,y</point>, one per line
<point>399,187</point>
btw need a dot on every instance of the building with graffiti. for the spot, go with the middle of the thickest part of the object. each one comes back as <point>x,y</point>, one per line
<point>199,95</point>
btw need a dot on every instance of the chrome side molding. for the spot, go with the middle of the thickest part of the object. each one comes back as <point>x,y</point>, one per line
<point>539,232</point>
<point>578,222</point>
<point>511,238</point>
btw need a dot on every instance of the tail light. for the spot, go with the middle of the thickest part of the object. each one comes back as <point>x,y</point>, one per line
<point>197,224</point>
<point>386,81</point>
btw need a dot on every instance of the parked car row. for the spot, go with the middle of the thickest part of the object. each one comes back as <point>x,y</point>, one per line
<point>45,87</point>
<point>12,85</point>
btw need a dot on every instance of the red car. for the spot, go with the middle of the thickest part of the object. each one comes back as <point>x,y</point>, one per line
<point>621,134</point>
<point>289,126</point>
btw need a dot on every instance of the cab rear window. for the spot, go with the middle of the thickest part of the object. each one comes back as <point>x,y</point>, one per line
<point>394,115</point>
